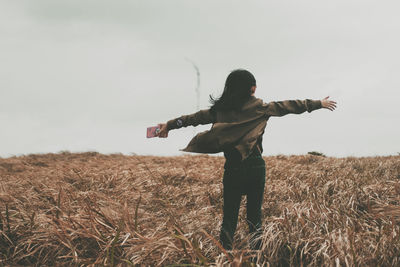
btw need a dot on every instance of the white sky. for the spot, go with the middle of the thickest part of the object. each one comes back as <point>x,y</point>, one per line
<point>92,75</point>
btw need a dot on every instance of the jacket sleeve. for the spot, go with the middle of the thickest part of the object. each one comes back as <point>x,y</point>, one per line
<point>281,108</point>
<point>201,117</point>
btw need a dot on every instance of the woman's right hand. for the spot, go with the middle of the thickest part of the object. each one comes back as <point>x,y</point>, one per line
<point>163,133</point>
<point>329,104</point>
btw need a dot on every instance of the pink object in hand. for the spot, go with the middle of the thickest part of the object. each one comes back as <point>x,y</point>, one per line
<point>152,131</point>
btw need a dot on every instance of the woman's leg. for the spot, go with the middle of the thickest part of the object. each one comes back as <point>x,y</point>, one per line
<point>255,194</point>
<point>232,197</point>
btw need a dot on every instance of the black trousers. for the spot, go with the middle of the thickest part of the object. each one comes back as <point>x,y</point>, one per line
<point>244,178</point>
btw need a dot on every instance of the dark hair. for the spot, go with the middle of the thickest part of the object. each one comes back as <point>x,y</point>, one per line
<point>237,91</point>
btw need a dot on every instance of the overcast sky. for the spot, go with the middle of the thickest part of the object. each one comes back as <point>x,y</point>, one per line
<point>92,75</point>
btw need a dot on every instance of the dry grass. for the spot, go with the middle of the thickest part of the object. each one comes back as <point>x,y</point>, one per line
<point>114,210</point>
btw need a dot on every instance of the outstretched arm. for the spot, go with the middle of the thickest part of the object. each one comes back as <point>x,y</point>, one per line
<point>281,108</point>
<point>201,117</point>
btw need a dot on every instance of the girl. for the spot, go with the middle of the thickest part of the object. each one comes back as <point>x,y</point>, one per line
<point>239,120</point>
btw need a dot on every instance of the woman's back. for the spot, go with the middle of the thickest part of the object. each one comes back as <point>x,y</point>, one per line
<point>249,110</point>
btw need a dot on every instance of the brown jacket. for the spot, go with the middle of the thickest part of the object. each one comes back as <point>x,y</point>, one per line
<point>238,129</point>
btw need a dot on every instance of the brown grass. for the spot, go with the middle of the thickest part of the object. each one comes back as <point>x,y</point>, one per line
<point>115,210</point>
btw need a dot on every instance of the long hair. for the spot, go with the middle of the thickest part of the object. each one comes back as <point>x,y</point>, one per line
<point>236,92</point>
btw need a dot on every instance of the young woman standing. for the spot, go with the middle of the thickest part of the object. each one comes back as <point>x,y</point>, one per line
<point>239,120</point>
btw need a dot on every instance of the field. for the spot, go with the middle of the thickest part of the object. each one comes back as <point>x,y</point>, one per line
<point>79,209</point>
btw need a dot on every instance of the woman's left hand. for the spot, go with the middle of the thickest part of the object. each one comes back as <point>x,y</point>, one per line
<point>329,104</point>
<point>163,133</point>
